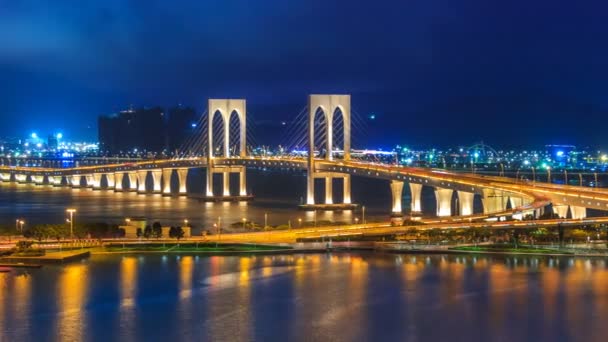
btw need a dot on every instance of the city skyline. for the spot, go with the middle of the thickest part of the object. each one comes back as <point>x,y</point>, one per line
<point>458,71</point>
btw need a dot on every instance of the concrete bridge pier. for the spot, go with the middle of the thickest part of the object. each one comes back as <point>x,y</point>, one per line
<point>397,194</point>
<point>560,210</point>
<point>167,181</point>
<point>133,181</point>
<point>97,181</point>
<point>516,201</point>
<point>156,178</point>
<point>329,204</point>
<point>493,201</point>
<point>209,185</point>
<point>465,203</point>
<point>578,213</point>
<point>182,176</point>
<point>416,202</point>
<point>444,201</point>
<point>141,181</point>
<point>242,182</point>
<point>346,185</point>
<point>329,190</point>
<point>90,179</point>
<point>226,184</point>
<point>110,180</point>
<point>118,179</point>
<point>55,180</point>
<point>74,181</point>
<point>5,177</point>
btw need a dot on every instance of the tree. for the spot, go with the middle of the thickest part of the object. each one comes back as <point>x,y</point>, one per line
<point>157,230</point>
<point>139,232</point>
<point>148,231</point>
<point>24,245</point>
<point>176,232</point>
<point>560,233</point>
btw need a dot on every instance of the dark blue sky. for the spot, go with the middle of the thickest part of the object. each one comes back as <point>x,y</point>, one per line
<point>435,71</point>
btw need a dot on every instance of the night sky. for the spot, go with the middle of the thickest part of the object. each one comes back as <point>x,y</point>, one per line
<point>435,72</point>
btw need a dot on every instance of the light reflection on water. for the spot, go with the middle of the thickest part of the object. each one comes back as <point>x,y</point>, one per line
<point>46,204</point>
<point>307,297</point>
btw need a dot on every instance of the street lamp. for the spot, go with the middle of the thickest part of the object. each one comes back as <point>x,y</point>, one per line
<point>71,211</point>
<point>185,222</point>
<point>219,228</point>
<point>356,220</point>
<point>244,221</point>
<point>299,222</point>
<point>21,223</point>
<point>363,215</point>
<point>265,220</point>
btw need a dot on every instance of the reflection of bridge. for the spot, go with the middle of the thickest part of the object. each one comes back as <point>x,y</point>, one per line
<point>500,195</point>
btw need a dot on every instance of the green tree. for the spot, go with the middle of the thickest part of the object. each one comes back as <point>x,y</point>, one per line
<point>157,230</point>
<point>148,231</point>
<point>176,232</point>
<point>24,245</point>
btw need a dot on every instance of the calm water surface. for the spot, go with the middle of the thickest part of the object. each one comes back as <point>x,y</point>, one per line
<point>321,297</point>
<point>277,194</point>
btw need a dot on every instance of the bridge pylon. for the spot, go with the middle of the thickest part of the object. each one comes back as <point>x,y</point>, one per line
<point>329,106</point>
<point>226,108</point>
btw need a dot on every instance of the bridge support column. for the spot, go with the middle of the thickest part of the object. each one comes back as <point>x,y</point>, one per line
<point>226,182</point>
<point>74,181</point>
<point>329,190</point>
<point>444,201</point>
<point>560,210</point>
<point>133,181</point>
<point>397,192</point>
<point>310,186</point>
<point>494,201</point>
<point>182,176</point>
<point>167,181</point>
<point>141,181</point>
<point>516,202</point>
<point>156,179</point>
<point>118,178</point>
<point>209,189</point>
<point>97,181</point>
<point>89,180</point>
<point>111,181</point>
<point>346,185</point>
<point>539,212</point>
<point>242,182</point>
<point>416,192</point>
<point>465,203</point>
<point>578,213</point>
<point>55,180</point>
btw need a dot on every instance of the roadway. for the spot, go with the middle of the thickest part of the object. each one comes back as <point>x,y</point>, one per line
<point>384,229</point>
<point>536,194</point>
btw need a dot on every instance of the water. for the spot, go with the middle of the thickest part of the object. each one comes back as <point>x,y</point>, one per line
<point>314,297</point>
<point>277,194</point>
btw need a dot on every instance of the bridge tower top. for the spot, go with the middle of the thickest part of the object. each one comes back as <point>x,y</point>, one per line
<point>225,108</point>
<point>329,105</point>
